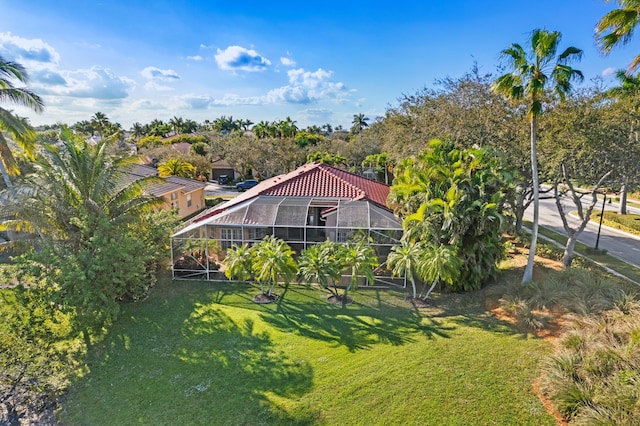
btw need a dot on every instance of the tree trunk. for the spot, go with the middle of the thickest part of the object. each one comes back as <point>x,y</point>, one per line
<point>528,271</point>
<point>622,206</point>
<point>567,256</point>
<point>584,214</point>
<point>5,175</point>
<point>430,290</point>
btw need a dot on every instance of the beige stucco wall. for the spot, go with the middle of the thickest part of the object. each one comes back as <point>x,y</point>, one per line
<point>197,202</point>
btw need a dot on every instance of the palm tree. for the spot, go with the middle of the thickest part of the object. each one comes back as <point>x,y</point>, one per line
<point>405,260</point>
<point>74,183</point>
<point>176,167</point>
<point>100,122</point>
<point>321,263</point>
<point>616,28</point>
<point>17,128</point>
<point>440,264</point>
<point>273,261</point>
<point>359,124</point>
<point>532,73</point>
<point>137,131</point>
<point>238,263</point>
<point>177,124</point>
<point>362,260</point>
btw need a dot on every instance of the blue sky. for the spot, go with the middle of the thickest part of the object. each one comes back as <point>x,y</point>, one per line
<point>317,62</point>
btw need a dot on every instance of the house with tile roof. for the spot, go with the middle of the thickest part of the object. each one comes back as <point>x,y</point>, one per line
<point>307,206</point>
<point>184,195</point>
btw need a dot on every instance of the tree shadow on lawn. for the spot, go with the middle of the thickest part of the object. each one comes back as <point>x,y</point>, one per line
<point>356,326</point>
<point>244,366</point>
<point>192,364</point>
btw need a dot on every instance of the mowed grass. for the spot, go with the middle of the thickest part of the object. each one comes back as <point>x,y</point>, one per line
<point>204,353</point>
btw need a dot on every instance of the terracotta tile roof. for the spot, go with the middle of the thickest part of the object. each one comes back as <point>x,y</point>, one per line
<point>312,180</point>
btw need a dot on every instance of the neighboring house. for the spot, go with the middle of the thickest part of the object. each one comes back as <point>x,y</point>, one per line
<point>185,195</point>
<point>313,203</point>
<point>220,167</point>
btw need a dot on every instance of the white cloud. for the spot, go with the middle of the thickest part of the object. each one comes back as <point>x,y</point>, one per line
<point>608,71</point>
<point>288,62</point>
<point>153,73</point>
<point>96,82</point>
<point>27,50</point>
<point>238,58</point>
<point>306,87</point>
<point>195,58</point>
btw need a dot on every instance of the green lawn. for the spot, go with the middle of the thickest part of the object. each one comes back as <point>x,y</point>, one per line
<point>204,353</point>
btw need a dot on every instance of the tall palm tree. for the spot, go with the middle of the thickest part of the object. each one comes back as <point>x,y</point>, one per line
<point>359,123</point>
<point>177,123</point>
<point>532,73</point>
<point>616,28</point>
<point>100,121</point>
<point>137,131</point>
<point>17,128</point>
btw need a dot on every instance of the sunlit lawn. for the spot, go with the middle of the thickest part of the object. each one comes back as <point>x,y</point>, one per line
<point>204,353</point>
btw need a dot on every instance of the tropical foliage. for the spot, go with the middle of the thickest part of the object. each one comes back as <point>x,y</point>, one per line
<point>13,77</point>
<point>99,240</point>
<point>455,197</point>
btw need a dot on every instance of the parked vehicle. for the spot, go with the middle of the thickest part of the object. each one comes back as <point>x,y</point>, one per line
<point>222,179</point>
<point>247,184</point>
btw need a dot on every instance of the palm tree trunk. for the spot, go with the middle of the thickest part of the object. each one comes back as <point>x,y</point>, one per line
<point>528,271</point>
<point>430,290</point>
<point>5,175</point>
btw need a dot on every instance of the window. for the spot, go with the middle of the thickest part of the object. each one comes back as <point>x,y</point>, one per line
<point>174,196</point>
<point>188,200</point>
<point>229,237</point>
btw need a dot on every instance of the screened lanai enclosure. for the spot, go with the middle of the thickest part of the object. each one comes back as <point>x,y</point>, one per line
<point>300,221</point>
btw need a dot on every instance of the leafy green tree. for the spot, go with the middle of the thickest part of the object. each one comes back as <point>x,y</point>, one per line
<point>455,197</point>
<point>616,28</point>
<point>176,167</point>
<point>323,263</point>
<point>531,73</point>
<point>13,77</point>
<point>36,352</point>
<point>273,261</point>
<point>627,93</point>
<point>361,260</point>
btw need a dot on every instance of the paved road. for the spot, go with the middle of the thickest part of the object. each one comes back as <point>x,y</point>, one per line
<point>620,244</point>
<point>215,190</point>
